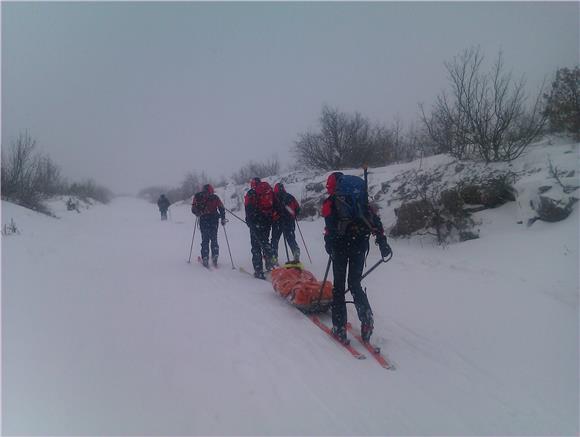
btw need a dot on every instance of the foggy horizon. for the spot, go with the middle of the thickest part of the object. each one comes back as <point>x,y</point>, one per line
<point>136,94</point>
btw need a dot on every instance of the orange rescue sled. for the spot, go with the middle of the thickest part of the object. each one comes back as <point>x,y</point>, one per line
<point>301,289</point>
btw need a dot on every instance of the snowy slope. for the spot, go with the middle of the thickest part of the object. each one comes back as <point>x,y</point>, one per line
<point>107,330</point>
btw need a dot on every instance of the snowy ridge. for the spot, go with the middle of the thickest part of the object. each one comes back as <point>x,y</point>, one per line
<point>107,330</point>
<point>531,172</point>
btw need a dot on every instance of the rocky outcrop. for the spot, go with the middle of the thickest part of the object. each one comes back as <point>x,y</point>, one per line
<point>552,210</point>
<point>411,217</point>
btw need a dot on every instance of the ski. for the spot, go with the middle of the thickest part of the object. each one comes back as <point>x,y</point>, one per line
<point>373,350</point>
<point>326,329</point>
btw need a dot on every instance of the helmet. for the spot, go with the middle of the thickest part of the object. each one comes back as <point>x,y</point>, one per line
<point>279,188</point>
<point>254,182</point>
<point>208,188</point>
<point>331,182</point>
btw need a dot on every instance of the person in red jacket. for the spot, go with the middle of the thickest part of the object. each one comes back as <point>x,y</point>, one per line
<point>259,205</point>
<point>286,209</point>
<point>347,243</point>
<point>209,208</point>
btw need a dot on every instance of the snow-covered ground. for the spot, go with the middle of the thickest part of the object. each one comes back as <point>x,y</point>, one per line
<point>107,330</point>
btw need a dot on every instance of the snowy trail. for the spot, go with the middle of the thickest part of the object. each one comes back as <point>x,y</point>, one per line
<point>107,330</point>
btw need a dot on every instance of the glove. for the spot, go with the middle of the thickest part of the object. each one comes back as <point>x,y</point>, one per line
<point>224,221</point>
<point>384,247</point>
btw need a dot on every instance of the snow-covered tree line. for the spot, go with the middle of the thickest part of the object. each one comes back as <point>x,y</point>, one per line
<point>29,177</point>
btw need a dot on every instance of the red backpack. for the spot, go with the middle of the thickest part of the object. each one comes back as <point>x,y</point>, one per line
<point>264,198</point>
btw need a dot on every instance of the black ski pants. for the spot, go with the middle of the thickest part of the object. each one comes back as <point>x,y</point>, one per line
<point>163,212</point>
<point>261,248</point>
<point>286,228</point>
<point>208,225</point>
<point>348,253</point>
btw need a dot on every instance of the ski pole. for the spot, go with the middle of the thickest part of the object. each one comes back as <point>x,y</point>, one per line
<point>286,247</point>
<point>192,238</point>
<point>324,280</point>
<point>374,266</point>
<point>239,218</point>
<point>304,242</point>
<point>229,250</point>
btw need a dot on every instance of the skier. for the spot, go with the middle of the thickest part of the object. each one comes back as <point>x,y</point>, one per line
<point>346,240</point>
<point>259,205</point>
<point>209,208</point>
<point>163,204</point>
<point>286,209</point>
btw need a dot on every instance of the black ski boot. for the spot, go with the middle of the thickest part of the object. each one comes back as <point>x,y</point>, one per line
<point>366,330</point>
<point>340,334</point>
<point>214,259</point>
<point>270,263</point>
<point>205,262</point>
<point>296,255</point>
<point>259,275</point>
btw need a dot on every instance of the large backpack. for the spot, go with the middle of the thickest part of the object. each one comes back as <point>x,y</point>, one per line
<point>204,204</point>
<point>264,198</point>
<point>351,201</point>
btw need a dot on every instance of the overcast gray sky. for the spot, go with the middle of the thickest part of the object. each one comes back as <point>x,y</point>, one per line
<point>135,94</point>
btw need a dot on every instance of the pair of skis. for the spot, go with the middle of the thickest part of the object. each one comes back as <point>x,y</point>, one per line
<point>374,351</point>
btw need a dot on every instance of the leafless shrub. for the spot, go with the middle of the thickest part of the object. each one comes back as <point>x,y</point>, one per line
<point>10,228</point>
<point>88,189</point>
<point>19,167</point>
<point>485,115</point>
<point>343,141</point>
<point>256,169</point>
<point>192,183</point>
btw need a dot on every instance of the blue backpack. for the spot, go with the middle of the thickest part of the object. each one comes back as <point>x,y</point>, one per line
<point>351,201</point>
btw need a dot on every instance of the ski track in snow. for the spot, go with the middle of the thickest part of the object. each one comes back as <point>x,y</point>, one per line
<point>107,330</point>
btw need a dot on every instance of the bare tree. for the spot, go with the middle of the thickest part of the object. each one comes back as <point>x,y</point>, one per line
<point>48,179</point>
<point>19,170</point>
<point>344,141</point>
<point>256,169</point>
<point>486,115</point>
<point>193,183</point>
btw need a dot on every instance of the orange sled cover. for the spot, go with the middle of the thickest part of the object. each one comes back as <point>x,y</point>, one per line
<point>301,288</point>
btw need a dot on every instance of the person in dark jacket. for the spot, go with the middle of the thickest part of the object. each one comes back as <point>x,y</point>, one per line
<point>286,209</point>
<point>163,204</point>
<point>259,205</point>
<point>209,208</point>
<point>347,244</point>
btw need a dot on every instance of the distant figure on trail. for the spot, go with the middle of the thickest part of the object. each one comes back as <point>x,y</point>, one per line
<point>349,221</point>
<point>209,208</point>
<point>163,204</point>
<point>286,209</point>
<point>259,205</point>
